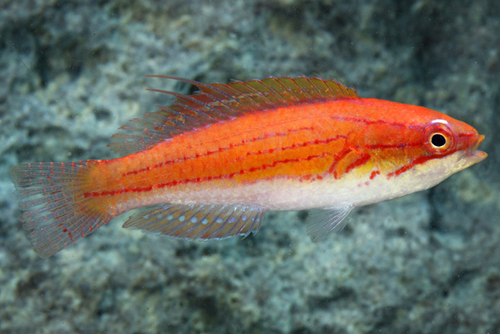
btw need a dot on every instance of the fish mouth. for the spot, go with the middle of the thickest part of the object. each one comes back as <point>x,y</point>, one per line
<point>473,153</point>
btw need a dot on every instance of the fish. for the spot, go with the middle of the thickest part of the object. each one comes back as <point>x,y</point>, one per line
<point>211,164</point>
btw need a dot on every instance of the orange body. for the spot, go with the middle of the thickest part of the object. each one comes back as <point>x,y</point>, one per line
<point>304,143</point>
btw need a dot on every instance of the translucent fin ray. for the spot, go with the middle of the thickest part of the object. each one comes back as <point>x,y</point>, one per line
<point>197,222</point>
<point>54,209</point>
<point>322,222</point>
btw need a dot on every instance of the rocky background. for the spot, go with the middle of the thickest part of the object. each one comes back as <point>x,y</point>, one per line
<point>73,71</point>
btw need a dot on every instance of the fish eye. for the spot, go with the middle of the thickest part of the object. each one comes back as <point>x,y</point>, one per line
<point>438,138</point>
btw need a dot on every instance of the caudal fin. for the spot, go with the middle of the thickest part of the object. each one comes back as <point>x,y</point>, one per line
<point>55,211</point>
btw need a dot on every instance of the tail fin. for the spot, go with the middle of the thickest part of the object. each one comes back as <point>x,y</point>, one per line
<point>55,210</point>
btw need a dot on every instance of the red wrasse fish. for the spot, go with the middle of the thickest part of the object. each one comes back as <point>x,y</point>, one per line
<point>210,165</point>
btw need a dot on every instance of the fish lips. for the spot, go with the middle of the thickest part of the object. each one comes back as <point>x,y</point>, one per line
<point>472,151</point>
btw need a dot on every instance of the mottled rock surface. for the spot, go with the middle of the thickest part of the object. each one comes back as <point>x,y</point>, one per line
<point>72,72</point>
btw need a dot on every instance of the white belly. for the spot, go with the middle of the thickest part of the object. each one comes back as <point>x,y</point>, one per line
<point>289,194</point>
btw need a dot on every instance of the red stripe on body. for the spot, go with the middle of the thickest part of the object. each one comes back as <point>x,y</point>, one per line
<point>219,150</point>
<point>417,161</point>
<point>387,146</point>
<point>369,122</point>
<point>305,144</point>
<point>361,160</point>
<point>202,179</point>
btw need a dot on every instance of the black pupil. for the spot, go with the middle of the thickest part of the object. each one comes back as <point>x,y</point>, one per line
<point>438,140</point>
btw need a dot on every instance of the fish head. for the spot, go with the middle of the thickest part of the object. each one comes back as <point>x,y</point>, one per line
<point>413,148</point>
<point>446,147</point>
<point>444,137</point>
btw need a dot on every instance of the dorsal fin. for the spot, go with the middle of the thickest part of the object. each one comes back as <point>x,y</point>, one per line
<point>218,102</point>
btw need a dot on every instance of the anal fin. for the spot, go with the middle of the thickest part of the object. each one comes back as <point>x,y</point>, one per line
<point>197,222</point>
<point>322,222</point>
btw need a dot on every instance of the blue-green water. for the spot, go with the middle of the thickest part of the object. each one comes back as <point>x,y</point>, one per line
<point>73,72</point>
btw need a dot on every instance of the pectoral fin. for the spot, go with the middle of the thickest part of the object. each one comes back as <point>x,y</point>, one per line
<point>322,222</point>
